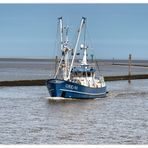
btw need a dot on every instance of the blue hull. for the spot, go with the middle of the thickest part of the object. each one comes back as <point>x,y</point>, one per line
<point>66,89</point>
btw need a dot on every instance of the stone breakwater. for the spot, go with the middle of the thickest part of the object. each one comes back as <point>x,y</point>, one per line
<point>43,81</point>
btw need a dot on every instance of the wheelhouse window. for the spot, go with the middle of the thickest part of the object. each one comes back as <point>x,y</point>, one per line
<point>82,74</point>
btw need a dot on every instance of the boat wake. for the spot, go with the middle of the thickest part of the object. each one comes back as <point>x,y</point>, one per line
<point>124,94</point>
<point>59,99</point>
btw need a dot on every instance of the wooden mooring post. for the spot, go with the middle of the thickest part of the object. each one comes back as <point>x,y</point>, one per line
<point>129,68</point>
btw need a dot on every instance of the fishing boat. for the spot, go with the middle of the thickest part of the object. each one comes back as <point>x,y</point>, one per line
<point>75,78</point>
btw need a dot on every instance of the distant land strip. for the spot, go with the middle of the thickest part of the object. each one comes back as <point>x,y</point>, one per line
<point>43,82</point>
<point>126,77</point>
<point>121,64</point>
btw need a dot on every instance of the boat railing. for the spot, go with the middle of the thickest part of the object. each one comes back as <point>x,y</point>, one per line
<point>88,66</point>
<point>101,78</point>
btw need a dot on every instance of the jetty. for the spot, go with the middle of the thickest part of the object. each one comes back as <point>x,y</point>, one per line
<point>42,82</point>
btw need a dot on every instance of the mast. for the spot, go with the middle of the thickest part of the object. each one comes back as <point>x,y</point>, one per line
<point>84,60</point>
<point>64,48</point>
<point>65,53</point>
<point>61,31</point>
<point>61,41</point>
<point>84,48</point>
<point>77,41</point>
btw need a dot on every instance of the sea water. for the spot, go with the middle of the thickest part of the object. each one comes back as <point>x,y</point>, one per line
<point>20,69</point>
<point>29,116</point>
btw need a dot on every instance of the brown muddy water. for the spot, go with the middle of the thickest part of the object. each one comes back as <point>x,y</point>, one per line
<point>28,116</point>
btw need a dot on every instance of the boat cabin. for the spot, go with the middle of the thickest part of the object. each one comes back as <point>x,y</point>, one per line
<point>82,71</point>
<point>84,75</point>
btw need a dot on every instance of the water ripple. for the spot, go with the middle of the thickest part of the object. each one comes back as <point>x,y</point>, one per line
<point>29,117</point>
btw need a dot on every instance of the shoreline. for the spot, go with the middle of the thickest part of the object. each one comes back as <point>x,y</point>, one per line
<point>124,64</point>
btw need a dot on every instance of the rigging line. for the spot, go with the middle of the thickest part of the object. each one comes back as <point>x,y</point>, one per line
<point>58,67</point>
<point>91,44</point>
<point>89,39</point>
<point>74,36</point>
<point>96,62</point>
<point>56,51</point>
